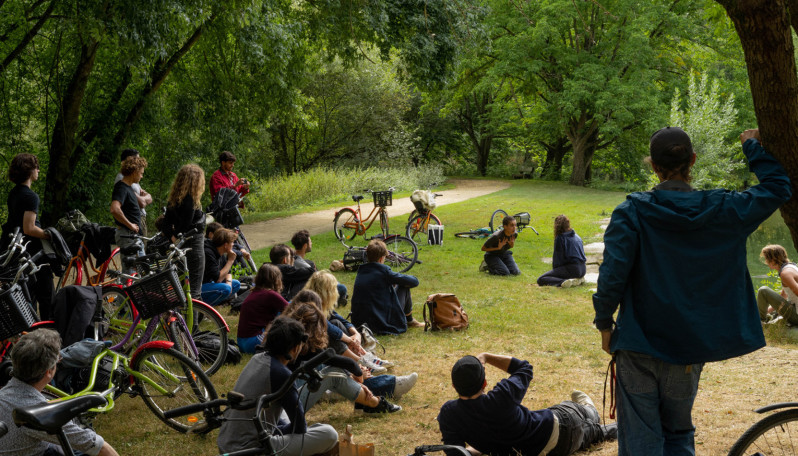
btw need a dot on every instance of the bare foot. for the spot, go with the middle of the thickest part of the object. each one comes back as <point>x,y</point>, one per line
<point>415,324</point>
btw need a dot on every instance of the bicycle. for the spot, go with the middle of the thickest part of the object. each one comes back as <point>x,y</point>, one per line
<point>522,219</point>
<point>349,223</point>
<point>776,434</point>
<point>402,253</point>
<point>479,233</point>
<point>418,223</point>
<point>424,449</point>
<point>214,415</point>
<point>121,312</point>
<point>81,269</point>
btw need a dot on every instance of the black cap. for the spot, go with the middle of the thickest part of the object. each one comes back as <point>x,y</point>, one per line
<point>468,376</point>
<point>670,147</point>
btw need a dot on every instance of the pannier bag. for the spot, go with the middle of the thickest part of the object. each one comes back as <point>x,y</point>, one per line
<point>435,234</point>
<point>445,312</point>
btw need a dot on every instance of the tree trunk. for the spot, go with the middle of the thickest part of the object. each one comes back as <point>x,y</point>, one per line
<point>583,134</point>
<point>764,30</point>
<point>64,142</point>
<point>472,117</point>
<point>554,155</point>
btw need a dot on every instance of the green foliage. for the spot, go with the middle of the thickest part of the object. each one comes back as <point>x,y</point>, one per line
<point>325,185</point>
<point>709,119</point>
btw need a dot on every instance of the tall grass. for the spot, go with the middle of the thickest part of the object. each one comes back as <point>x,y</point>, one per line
<point>325,185</point>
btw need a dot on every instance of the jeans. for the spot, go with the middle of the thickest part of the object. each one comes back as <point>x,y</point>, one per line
<point>214,293</point>
<point>318,438</point>
<point>766,297</point>
<point>343,295</point>
<point>336,380</point>
<point>501,263</point>
<point>579,428</point>
<point>655,402</point>
<point>196,263</point>
<point>405,300</point>
<point>557,276</point>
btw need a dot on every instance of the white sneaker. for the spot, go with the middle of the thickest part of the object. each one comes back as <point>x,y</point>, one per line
<point>572,282</point>
<point>380,362</point>
<point>404,384</point>
<point>582,398</point>
<point>375,368</point>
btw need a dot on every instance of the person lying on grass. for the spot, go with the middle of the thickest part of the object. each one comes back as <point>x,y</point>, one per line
<point>380,297</point>
<point>496,423</point>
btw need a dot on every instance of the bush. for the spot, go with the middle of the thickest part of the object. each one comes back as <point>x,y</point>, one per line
<point>326,185</point>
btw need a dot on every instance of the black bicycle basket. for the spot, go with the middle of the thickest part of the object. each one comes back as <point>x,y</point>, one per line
<point>157,293</point>
<point>522,219</point>
<point>16,315</point>
<point>383,199</point>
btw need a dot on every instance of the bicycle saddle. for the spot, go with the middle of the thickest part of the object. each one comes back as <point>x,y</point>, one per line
<point>357,198</point>
<point>51,417</point>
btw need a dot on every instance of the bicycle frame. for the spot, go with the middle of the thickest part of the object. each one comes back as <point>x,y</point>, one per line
<point>371,218</point>
<point>83,263</point>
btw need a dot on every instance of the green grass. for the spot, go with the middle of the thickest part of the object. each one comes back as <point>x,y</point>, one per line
<point>550,327</point>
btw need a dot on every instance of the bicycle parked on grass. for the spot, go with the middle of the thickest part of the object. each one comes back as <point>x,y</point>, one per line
<point>82,269</point>
<point>422,217</point>
<point>402,253</point>
<point>122,313</point>
<point>776,434</point>
<point>522,219</point>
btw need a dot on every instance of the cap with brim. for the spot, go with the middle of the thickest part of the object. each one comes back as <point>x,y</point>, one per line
<point>670,147</point>
<point>468,376</point>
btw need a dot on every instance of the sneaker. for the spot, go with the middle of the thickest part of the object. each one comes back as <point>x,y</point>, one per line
<point>582,398</point>
<point>383,407</point>
<point>380,362</point>
<point>483,267</point>
<point>375,369</point>
<point>572,283</point>
<point>404,384</point>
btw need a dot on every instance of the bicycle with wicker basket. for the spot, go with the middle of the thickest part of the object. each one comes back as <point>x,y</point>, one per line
<point>350,223</point>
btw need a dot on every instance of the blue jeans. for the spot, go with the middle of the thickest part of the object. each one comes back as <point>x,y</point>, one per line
<point>501,263</point>
<point>214,293</point>
<point>580,427</point>
<point>655,403</point>
<point>342,295</point>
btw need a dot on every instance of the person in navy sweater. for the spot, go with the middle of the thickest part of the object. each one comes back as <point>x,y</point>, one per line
<point>496,423</point>
<point>568,260</point>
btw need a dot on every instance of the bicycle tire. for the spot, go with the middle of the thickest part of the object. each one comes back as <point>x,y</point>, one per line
<point>205,319</point>
<point>73,274</point>
<point>496,222</point>
<point>774,434</point>
<point>342,219</point>
<point>117,314</point>
<point>384,222</point>
<point>250,265</point>
<point>402,253</point>
<point>473,234</point>
<point>184,381</point>
<point>417,228</point>
<point>112,268</point>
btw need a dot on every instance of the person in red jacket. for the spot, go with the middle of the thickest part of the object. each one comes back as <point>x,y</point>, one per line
<point>224,177</point>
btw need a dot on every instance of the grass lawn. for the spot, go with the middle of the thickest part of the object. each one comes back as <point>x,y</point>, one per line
<point>550,327</point>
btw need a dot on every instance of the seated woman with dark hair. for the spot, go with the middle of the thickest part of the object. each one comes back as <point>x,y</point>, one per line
<point>568,260</point>
<point>266,372</point>
<point>261,307</point>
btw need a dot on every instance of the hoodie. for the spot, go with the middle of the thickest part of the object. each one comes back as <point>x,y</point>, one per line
<point>675,268</point>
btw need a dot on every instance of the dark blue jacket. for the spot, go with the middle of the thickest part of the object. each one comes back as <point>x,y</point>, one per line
<point>675,262</point>
<point>374,299</point>
<point>568,249</point>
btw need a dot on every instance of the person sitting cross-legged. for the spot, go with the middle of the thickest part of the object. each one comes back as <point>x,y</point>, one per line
<point>217,283</point>
<point>495,422</point>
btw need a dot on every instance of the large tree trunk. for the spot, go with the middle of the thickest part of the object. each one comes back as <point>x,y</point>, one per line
<point>64,143</point>
<point>583,134</point>
<point>555,152</point>
<point>472,117</point>
<point>764,30</point>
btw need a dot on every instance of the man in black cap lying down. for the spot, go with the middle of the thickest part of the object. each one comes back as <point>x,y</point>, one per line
<point>496,423</point>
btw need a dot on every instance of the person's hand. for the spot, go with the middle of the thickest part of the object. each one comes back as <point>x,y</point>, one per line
<point>353,345</point>
<point>605,341</point>
<point>748,134</point>
<point>482,357</point>
<point>134,228</point>
<point>503,242</point>
<point>359,378</point>
<point>245,254</point>
<point>356,337</point>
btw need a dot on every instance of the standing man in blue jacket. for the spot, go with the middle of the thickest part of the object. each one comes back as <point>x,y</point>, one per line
<point>675,263</point>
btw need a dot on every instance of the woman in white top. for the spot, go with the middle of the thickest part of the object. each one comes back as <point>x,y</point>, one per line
<point>771,304</point>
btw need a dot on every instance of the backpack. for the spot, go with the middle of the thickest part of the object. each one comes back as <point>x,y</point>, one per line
<point>445,312</point>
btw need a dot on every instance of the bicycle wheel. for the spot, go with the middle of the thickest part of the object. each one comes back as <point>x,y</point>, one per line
<point>496,219</point>
<point>117,316</point>
<point>112,268</point>
<point>473,234</point>
<point>402,253</point>
<point>209,335</point>
<point>384,223</point>
<point>417,228</point>
<point>776,434</point>
<point>182,380</point>
<point>248,265</point>
<point>73,275</point>
<point>345,225</point>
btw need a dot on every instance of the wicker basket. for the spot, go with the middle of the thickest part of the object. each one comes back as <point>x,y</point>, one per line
<point>157,293</point>
<point>383,199</point>
<point>16,315</point>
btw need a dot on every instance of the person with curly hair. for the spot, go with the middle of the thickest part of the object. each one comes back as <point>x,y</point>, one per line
<point>23,213</point>
<point>262,305</point>
<point>184,213</point>
<point>144,198</point>
<point>568,260</point>
<point>125,205</point>
<point>772,304</point>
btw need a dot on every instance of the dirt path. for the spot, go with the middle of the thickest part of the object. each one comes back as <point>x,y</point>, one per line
<point>270,232</point>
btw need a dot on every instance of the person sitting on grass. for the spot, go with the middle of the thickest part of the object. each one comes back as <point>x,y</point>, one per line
<point>218,284</point>
<point>771,304</point>
<point>303,245</point>
<point>213,227</point>
<point>498,256</point>
<point>381,297</point>
<point>568,260</point>
<point>496,423</point>
<point>34,361</point>
<point>342,374</point>
<point>263,304</point>
<point>265,373</point>
<point>294,276</point>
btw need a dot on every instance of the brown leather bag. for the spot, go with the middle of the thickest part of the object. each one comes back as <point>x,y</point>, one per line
<point>445,312</point>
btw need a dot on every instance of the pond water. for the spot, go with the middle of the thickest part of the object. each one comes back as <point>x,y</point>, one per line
<point>773,231</point>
